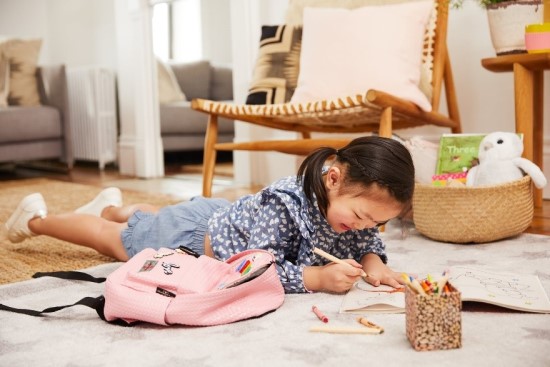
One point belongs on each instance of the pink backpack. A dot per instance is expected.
(168, 287)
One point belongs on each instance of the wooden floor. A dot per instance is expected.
(88, 173)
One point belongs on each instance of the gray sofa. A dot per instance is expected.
(39, 132)
(182, 128)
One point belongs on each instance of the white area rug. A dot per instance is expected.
(77, 337)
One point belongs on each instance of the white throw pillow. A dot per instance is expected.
(347, 52)
(169, 89)
(295, 10)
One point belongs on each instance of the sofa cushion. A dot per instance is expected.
(168, 87)
(31, 150)
(23, 58)
(20, 124)
(179, 118)
(194, 78)
(221, 84)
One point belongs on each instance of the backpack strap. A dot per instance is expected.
(96, 303)
(70, 275)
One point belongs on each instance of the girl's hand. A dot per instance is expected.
(336, 278)
(378, 273)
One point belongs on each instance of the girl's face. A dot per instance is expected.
(356, 210)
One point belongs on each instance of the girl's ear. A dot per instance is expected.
(333, 178)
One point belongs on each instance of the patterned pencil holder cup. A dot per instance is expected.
(433, 322)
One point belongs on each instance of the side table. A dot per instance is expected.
(529, 105)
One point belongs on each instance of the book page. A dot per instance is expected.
(366, 298)
(515, 291)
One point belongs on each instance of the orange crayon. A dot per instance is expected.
(426, 287)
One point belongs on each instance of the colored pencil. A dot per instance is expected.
(334, 259)
(344, 330)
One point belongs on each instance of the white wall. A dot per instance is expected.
(78, 40)
(74, 32)
(216, 31)
(34, 23)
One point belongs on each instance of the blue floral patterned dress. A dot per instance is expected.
(281, 220)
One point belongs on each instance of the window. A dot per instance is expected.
(177, 33)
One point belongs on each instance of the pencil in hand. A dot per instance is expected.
(334, 259)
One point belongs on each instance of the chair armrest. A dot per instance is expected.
(53, 88)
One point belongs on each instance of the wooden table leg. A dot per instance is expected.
(524, 91)
(538, 128)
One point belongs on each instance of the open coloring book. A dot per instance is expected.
(514, 291)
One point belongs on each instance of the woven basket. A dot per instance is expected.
(473, 214)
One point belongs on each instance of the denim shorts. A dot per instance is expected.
(185, 223)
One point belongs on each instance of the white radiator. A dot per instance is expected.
(93, 113)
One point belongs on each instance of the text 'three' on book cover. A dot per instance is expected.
(457, 152)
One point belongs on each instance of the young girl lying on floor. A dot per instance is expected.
(336, 207)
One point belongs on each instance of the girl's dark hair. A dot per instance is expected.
(367, 160)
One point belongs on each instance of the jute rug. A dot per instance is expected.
(20, 261)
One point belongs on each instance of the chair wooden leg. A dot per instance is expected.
(385, 129)
(450, 95)
(209, 159)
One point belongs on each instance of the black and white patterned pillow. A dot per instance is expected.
(276, 72)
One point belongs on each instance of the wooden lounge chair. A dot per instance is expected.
(373, 111)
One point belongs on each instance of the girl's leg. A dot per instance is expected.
(86, 230)
(108, 204)
(122, 214)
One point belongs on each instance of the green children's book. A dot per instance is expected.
(457, 152)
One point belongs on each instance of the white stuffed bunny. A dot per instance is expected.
(500, 161)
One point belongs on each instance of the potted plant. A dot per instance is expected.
(507, 21)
